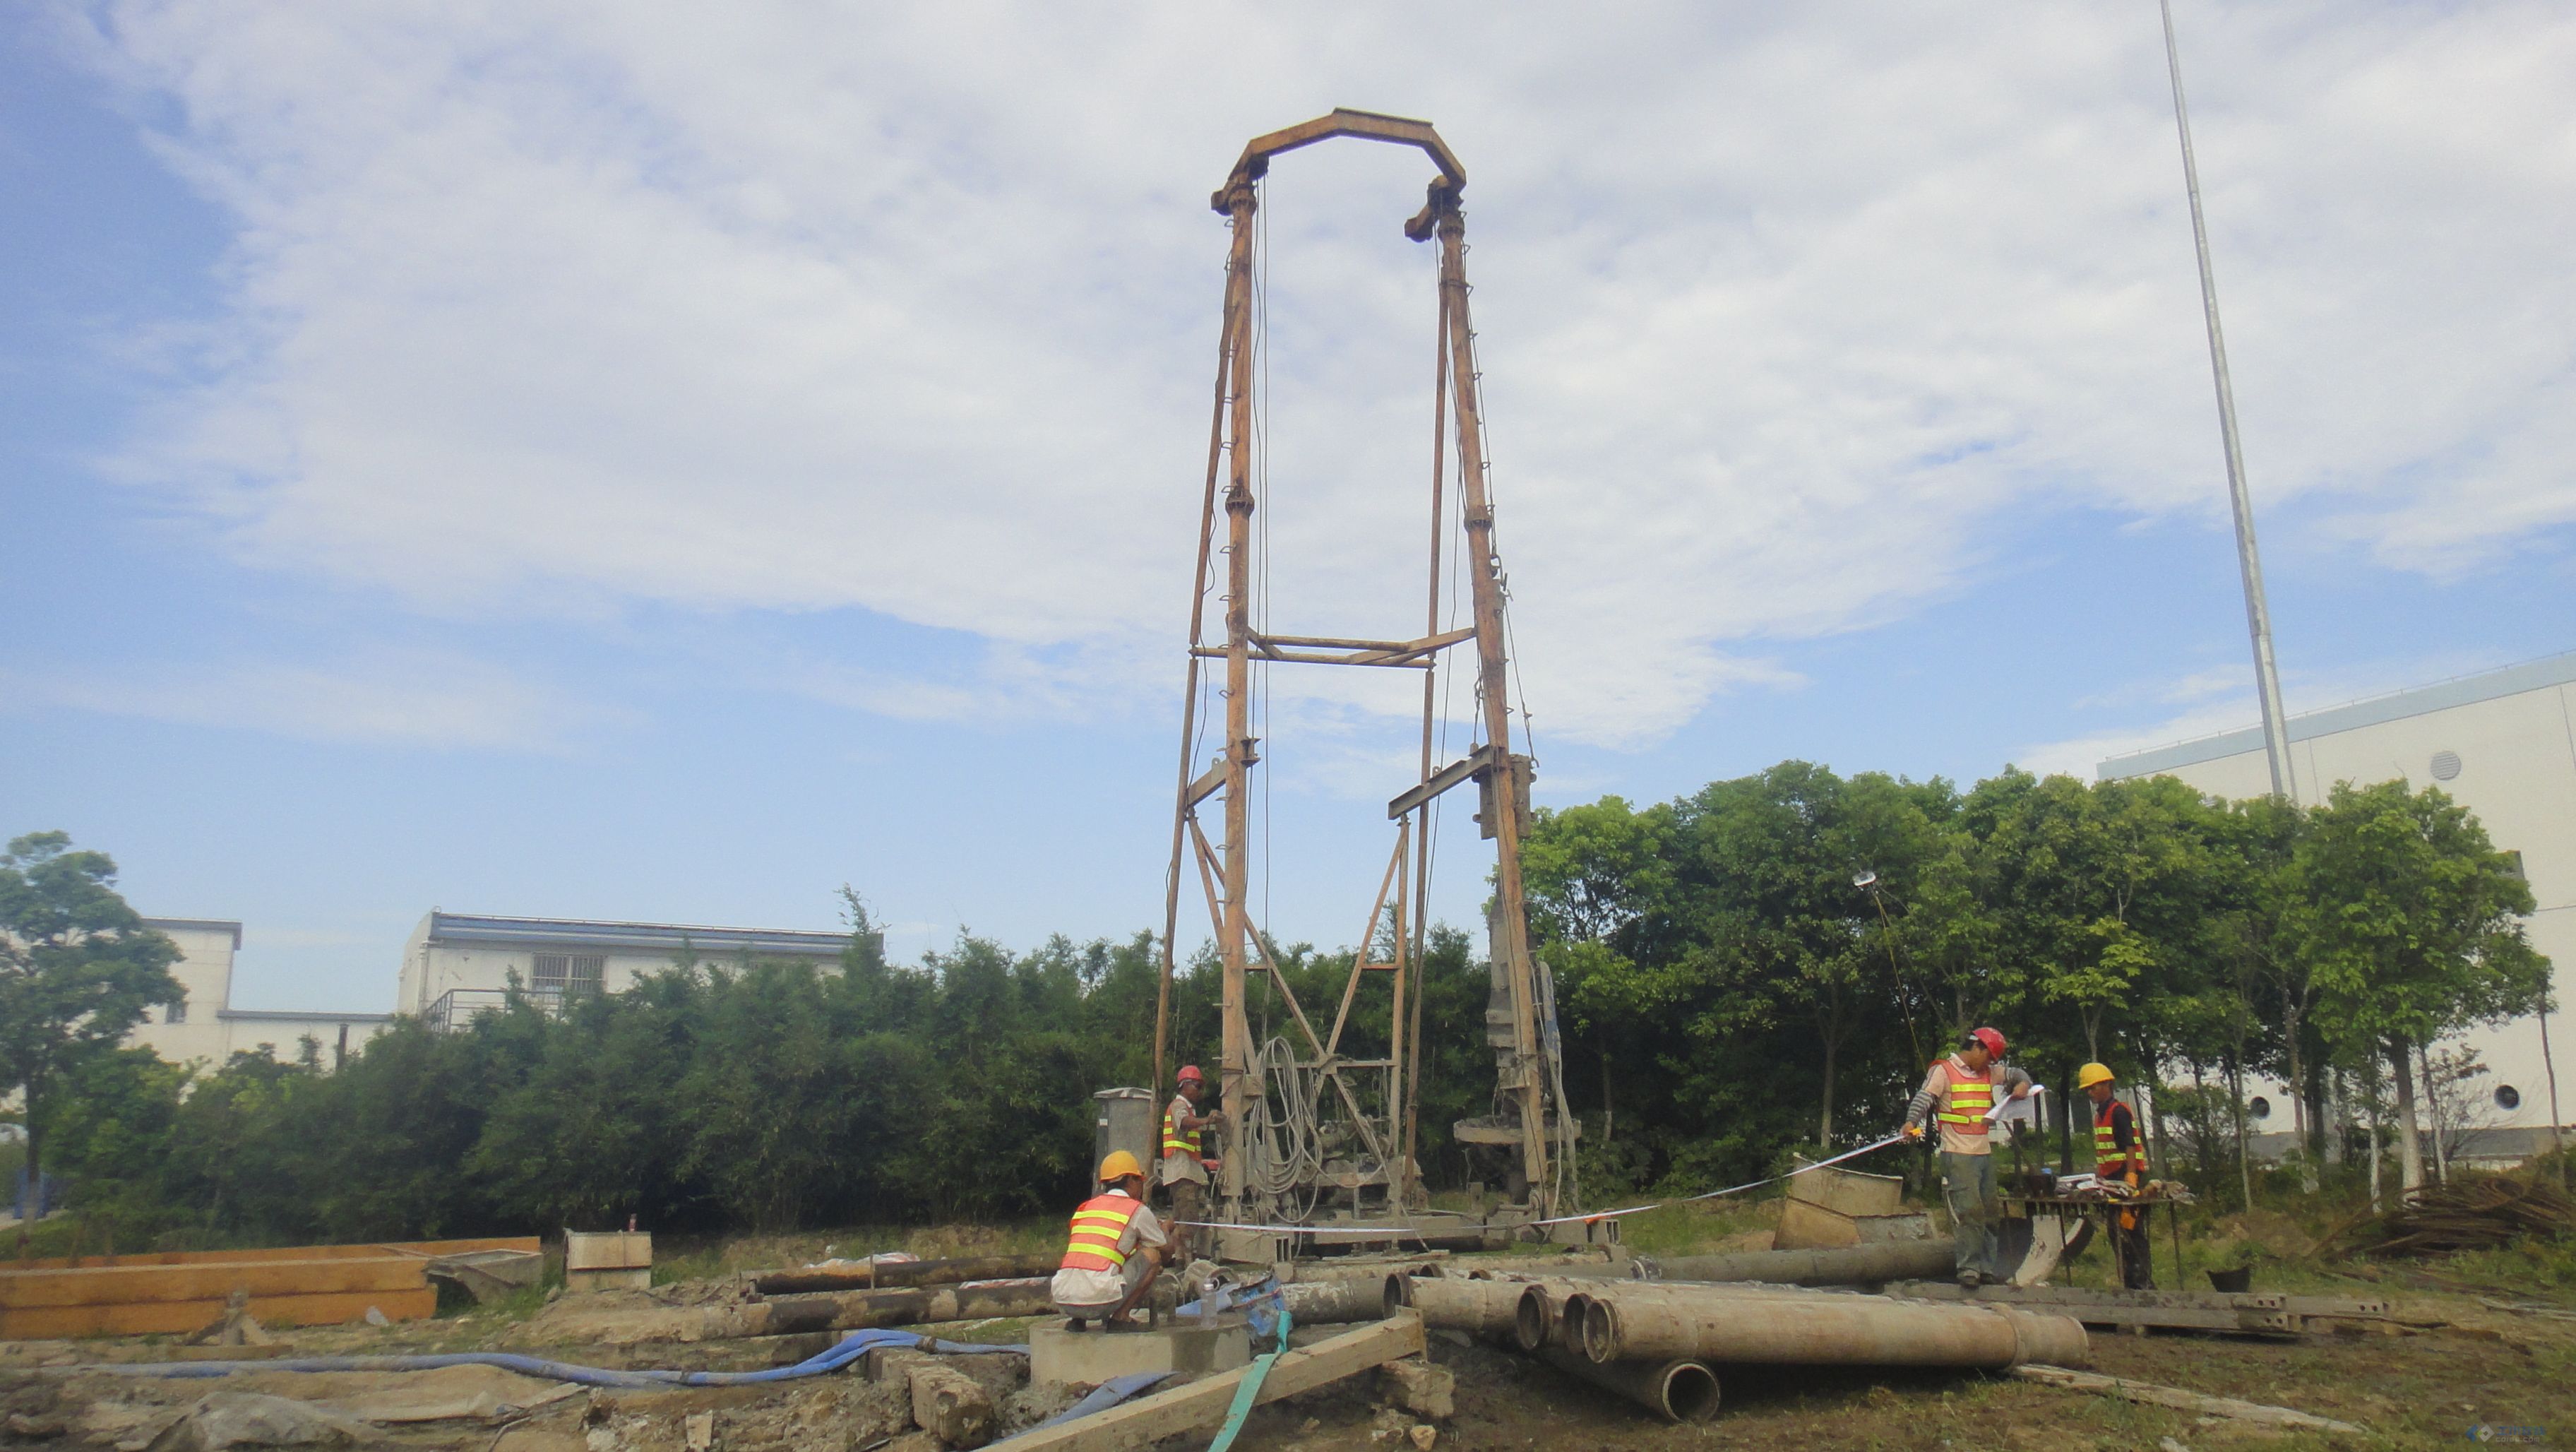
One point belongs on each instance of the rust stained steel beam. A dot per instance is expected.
(1455, 773)
(1209, 784)
(1343, 121)
(1307, 657)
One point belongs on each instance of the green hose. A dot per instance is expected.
(1250, 1391)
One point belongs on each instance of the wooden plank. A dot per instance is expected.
(1164, 1414)
(128, 1285)
(182, 1317)
(2189, 1401)
(528, 1243)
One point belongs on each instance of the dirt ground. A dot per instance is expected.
(2487, 1367)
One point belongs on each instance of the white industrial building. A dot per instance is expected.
(203, 1025)
(2503, 744)
(457, 965)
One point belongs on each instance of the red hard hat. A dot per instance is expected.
(1992, 1039)
(1191, 1071)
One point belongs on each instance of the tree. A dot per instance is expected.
(2410, 920)
(77, 970)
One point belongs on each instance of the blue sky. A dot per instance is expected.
(640, 463)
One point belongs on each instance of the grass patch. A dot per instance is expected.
(682, 1257)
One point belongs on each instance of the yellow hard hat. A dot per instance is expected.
(2092, 1074)
(1119, 1166)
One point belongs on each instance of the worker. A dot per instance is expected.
(1957, 1094)
(2119, 1157)
(1114, 1251)
(1185, 1161)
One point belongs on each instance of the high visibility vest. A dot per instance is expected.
(2107, 1157)
(1175, 1142)
(1963, 1108)
(1097, 1225)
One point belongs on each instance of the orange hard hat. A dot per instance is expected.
(1190, 1073)
(1992, 1039)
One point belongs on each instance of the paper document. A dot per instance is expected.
(2017, 1111)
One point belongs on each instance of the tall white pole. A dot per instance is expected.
(2258, 612)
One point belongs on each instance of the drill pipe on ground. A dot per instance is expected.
(1718, 1324)
(1349, 1298)
(1677, 1391)
(903, 1273)
(1479, 1308)
(1850, 1265)
(907, 1306)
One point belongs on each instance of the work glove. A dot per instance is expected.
(1913, 1131)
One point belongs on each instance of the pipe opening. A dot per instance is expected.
(1688, 1392)
(1399, 1294)
(1530, 1319)
(1597, 1334)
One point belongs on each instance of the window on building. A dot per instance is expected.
(2508, 1097)
(569, 972)
(2259, 1107)
(175, 1011)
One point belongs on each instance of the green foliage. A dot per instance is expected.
(1729, 993)
(1728, 997)
(77, 970)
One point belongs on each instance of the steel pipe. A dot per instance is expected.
(1349, 1298)
(1613, 1323)
(904, 1273)
(1480, 1308)
(1677, 1391)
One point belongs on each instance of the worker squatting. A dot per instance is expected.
(1116, 1247)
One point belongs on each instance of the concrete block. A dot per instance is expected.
(1427, 1391)
(1061, 1356)
(952, 1404)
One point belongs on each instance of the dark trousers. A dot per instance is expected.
(2129, 1245)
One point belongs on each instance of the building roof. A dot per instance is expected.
(2513, 680)
(447, 927)
(200, 925)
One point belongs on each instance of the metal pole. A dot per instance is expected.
(1233, 1078)
(1526, 1083)
(2258, 613)
(1238, 291)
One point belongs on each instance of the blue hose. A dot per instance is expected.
(1104, 1396)
(849, 1349)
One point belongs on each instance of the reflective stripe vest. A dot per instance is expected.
(1175, 1142)
(1963, 1108)
(1097, 1225)
(2107, 1156)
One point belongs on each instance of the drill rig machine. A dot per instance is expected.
(1320, 1150)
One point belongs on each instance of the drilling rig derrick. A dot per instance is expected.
(1319, 1138)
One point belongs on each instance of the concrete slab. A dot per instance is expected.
(1061, 1356)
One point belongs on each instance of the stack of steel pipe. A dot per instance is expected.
(1657, 1345)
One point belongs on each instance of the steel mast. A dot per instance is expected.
(2249, 560)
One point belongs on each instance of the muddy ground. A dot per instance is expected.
(2484, 1367)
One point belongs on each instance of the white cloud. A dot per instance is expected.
(426, 699)
(570, 306)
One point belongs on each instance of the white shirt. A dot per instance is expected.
(1074, 1286)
